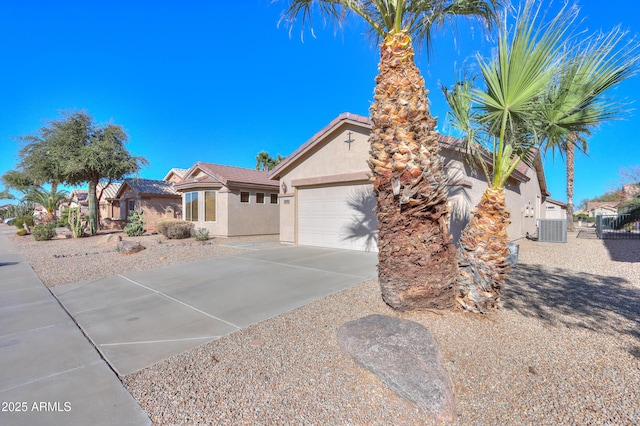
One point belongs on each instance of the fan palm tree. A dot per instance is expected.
(579, 104)
(416, 261)
(49, 200)
(537, 94)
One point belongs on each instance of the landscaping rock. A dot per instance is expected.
(129, 247)
(405, 356)
(110, 241)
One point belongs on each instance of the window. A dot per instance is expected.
(191, 206)
(260, 197)
(210, 206)
(132, 205)
(274, 198)
(244, 197)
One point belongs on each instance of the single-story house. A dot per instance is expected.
(78, 198)
(595, 208)
(158, 199)
(554, 209)
(109, 203)
(326, 198)
(230, 201)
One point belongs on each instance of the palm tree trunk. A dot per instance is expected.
(483, 252)
(417, 266)
(571, 158)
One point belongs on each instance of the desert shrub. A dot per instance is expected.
(178, 230)
(135, 227)
(202, 234)
(21, 232)
(20, 221)
(43, 232)
(162, 225)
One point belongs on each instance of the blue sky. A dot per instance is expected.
(219, 81)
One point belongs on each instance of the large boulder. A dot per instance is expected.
(129, 247)
(405, 356)
(109, 241)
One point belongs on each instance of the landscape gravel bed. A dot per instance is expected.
(64, 261)
(564, 349)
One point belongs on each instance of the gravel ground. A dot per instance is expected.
(64, 261)
(565, 349)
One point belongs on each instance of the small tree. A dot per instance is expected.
(74, 150)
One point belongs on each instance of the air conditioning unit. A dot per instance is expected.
(552, 231)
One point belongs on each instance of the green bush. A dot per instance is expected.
(135, 227)
(20, 221)
(162, 225)
(179, 230)
(21, 232)
(44, 232)
(202, 234)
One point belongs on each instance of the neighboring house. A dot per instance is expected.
(326, 198)
(109, 204)
(158, 199)
(230, 201)
(554, 209)
(595, 208)
(175, 175)
(78, 198)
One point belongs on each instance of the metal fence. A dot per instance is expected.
(618, 227)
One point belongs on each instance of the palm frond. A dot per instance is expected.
(418, 17)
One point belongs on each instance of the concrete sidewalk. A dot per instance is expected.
(139, 318)
(50, 374)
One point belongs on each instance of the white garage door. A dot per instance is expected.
(337, 216)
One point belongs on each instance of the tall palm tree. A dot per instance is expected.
(537, 93)
(569, 149)
(579, 102)
(262, 160)
(416, 261)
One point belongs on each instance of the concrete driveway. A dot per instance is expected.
(139, 318)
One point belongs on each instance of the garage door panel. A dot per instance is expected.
(337, 216)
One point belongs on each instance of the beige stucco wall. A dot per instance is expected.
(287, 218)
(127, 194)
(463, 198)
(156, 208)
(217, 228)
(252, 218)
(553, 211)
(234, 218)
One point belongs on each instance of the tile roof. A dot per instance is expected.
(611, 205)
(176, 171)
(150, 186)
(110, 192)
(228, 175)
(81, 195)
